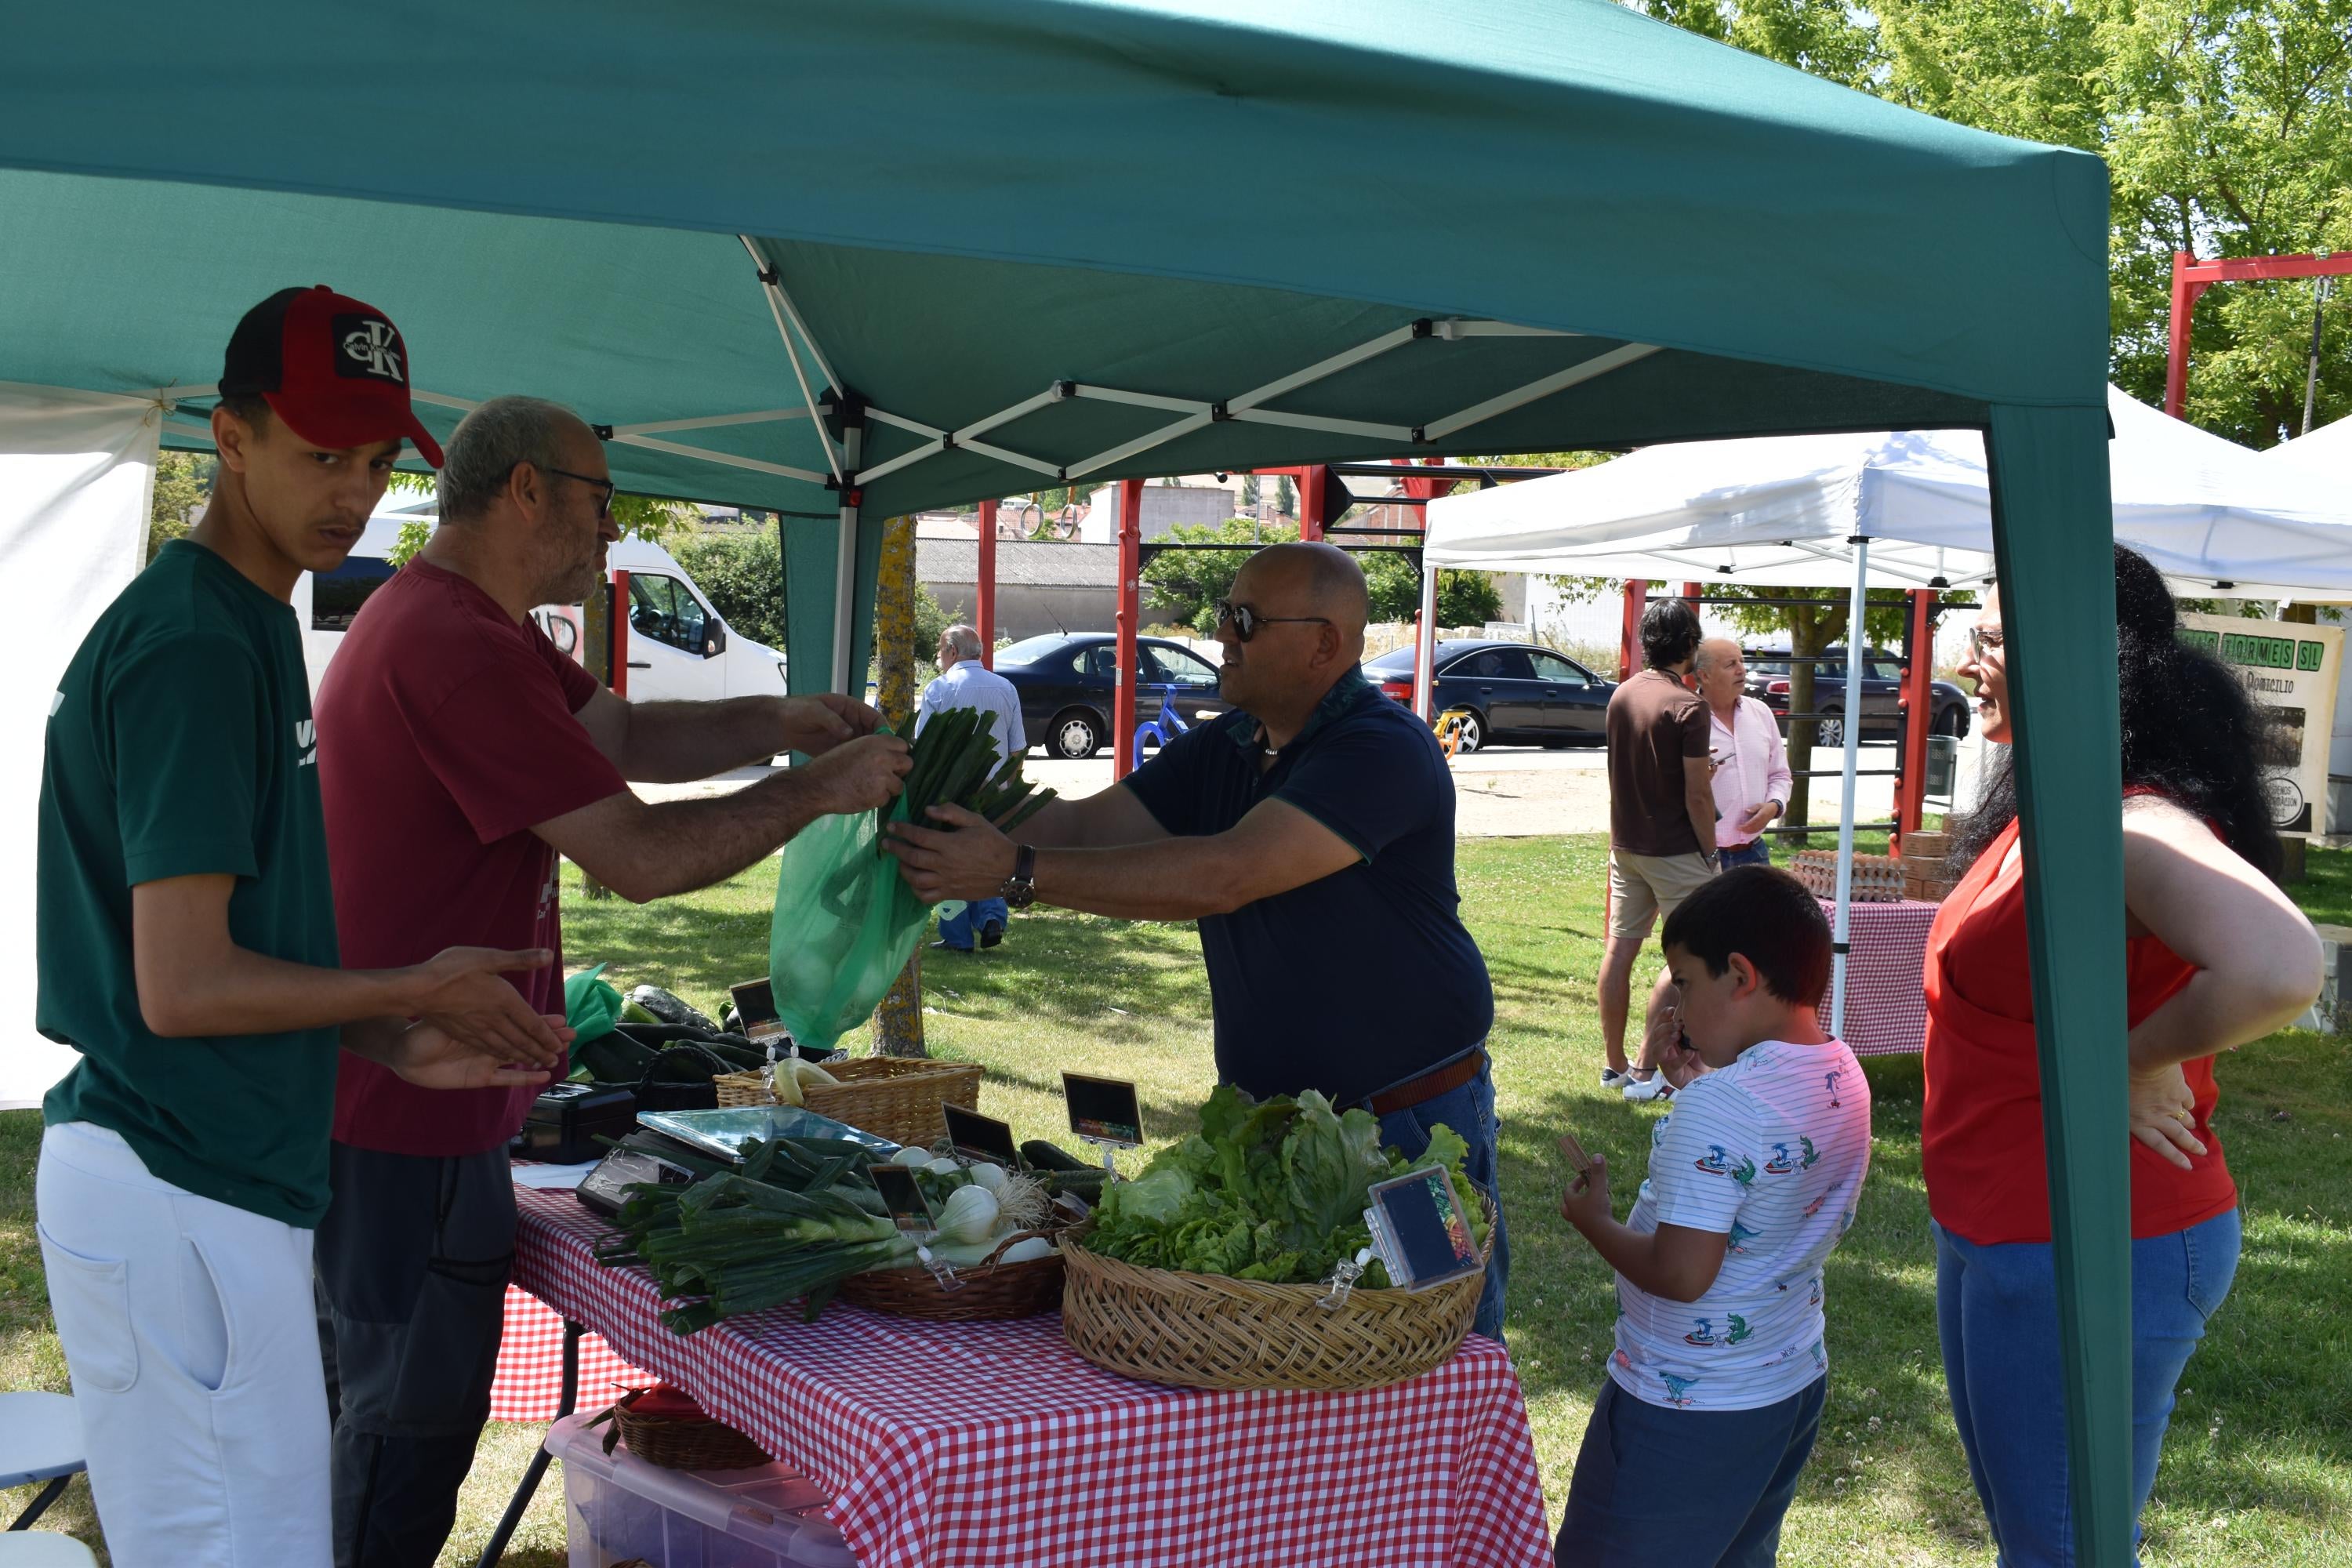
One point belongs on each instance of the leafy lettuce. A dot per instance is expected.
(1271, 1190)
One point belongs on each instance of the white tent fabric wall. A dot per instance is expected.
(76, 474)
(2327, 455)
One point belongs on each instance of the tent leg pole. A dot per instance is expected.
(845, 564)
(2053, 523)
(986, 591)
(1424, 647)
(1918, 688)
(1855, 631)
(1130, 594)
(1629, 640)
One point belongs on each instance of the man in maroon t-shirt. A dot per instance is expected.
(460, 755)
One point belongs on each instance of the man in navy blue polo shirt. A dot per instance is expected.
(1318, 814)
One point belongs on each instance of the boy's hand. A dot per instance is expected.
(1679, 1061)
(430, 1058)
(1586, 1202)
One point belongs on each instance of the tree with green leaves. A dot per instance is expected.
(2226, 129)
(182, 480)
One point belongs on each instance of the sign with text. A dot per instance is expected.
(2289, 671)
(1103, 1110)
(981, 1138)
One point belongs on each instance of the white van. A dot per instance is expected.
(678, 649)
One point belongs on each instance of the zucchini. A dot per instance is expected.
(669, 1009)
(1043, 1156)
(686, 1063)
(615, 1059)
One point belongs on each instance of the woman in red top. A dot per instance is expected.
(2215, 956)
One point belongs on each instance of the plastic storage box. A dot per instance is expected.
(618, 1508)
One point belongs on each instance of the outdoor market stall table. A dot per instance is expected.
(985, 1444)
(1886, 967)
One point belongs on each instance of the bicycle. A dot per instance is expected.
(1164, 727)
(1449, 730)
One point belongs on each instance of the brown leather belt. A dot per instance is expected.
(1429, 1085)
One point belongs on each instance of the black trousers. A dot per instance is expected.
(413, 1262)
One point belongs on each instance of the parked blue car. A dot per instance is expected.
(1513, 693)
(1067, 683)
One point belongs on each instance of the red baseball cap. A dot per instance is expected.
(335, 370)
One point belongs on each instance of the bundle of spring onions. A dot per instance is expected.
(801, 1215)
(954, 760)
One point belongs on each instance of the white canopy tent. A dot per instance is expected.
(2325, 455)
(1906, 509)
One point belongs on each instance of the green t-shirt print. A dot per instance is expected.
(180, 743)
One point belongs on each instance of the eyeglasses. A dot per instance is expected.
(1246, 621)
(604, 488)
(1980, 641)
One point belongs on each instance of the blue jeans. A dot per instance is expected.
(1470, 1111)
(1755, 852)
(1686, 1489)
(960, 929)
(1996, 1314)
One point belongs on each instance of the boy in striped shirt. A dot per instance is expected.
(1754, 1176)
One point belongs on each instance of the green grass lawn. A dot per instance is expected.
(2259, 1465)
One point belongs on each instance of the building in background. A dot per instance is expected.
(1040, 588)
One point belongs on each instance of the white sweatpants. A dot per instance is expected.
(192, 1335)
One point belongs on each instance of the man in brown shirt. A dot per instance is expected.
(1661, 828)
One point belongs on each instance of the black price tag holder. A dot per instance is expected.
(902, 1196)
(1421, 1231)
(755, 1013)
(1105, 1112)
(980, 1140)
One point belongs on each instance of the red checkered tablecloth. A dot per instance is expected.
(993, 1446)
(530, 1382)
(1885, 970)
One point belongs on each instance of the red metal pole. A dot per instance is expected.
(1918, 705)
(1629, 647)
(1131, 572)
(987, 593)
(619, 641)
(2176, 363)
(1690, 596)
(1311, 482)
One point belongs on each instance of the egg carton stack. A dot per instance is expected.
(1877, 878)
(1925, 879)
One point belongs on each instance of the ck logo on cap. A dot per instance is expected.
(368, 346)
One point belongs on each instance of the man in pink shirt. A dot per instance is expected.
(1751, 766)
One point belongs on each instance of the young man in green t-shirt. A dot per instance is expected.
(187, 949)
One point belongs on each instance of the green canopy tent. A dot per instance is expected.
(848, 261)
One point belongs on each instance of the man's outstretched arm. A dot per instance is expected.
(1272, 849)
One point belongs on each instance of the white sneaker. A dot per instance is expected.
(1642, 1091)
(1611, 1079)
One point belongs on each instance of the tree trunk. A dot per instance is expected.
(1811, 629)
(898, 1022)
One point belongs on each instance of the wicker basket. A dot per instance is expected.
(682, 1442)
(991, 1292)
(1203, 1331)
(890, 1097)
(1877, 878)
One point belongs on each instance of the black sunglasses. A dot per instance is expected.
(604, 488)
(1246, 621)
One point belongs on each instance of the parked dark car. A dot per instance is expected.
(1882, 689)
(1513, 692)
(1068, 681)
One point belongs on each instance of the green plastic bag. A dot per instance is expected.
(590, 1007)
(845, 923)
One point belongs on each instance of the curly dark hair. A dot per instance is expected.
(2190, 732)
(1670, 633)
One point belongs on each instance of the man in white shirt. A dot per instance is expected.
(1751, 775)
(965, 682)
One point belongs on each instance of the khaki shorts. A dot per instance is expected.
(1644, 887)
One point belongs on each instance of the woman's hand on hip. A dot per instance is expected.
(2164, 1113)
